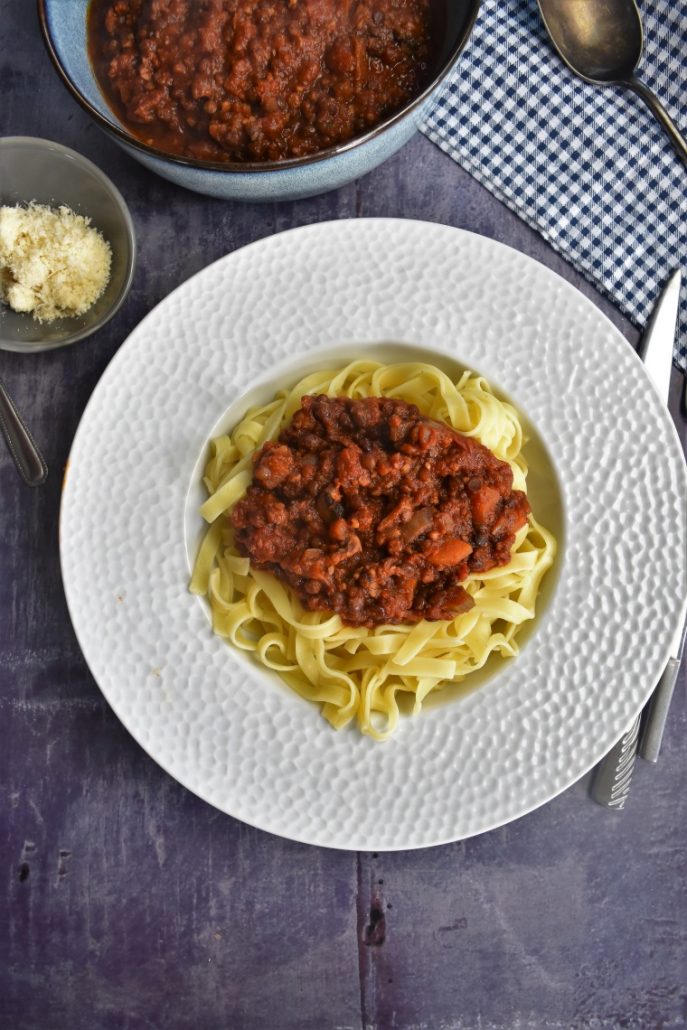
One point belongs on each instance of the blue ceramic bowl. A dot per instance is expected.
(64, 31)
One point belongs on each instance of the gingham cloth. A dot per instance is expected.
(588, 167)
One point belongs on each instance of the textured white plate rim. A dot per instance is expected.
(391, 228)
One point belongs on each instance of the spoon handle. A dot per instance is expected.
(657, 108)
(27, 457)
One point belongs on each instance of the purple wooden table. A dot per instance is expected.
(129, 903)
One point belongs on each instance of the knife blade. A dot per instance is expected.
(611, 782)
(656, 348)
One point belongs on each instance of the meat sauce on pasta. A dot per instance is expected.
(368, 509)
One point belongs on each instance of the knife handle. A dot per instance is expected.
(611, 784)
(657, 711)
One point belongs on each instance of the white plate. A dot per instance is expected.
(239, 738)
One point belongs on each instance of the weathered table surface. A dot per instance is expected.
(128, 903)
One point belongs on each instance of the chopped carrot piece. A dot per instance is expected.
(453, 552)
(484, 503)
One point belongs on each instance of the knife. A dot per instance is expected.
(611, 783)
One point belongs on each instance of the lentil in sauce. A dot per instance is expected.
(257, 80)
(369, 509)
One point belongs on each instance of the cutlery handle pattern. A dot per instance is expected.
(611, 784)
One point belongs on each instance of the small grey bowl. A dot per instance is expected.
(48, 173)
(64, 26)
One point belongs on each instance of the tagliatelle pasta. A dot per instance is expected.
(354, 672)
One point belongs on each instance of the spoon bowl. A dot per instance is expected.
(601, 41)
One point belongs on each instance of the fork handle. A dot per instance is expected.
(611, 784)
(27, 457)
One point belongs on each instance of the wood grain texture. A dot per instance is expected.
(128, 903)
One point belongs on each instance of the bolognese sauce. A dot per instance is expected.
(257, 80)
(369, 509)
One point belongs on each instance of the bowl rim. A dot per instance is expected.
(253, 166)
(40, 143)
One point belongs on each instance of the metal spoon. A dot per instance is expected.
(27, 457)
(601, 41)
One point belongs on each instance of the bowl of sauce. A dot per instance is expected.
(261, 100)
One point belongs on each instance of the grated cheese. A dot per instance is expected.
(53, 263)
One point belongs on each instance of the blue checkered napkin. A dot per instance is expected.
(588, 167)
